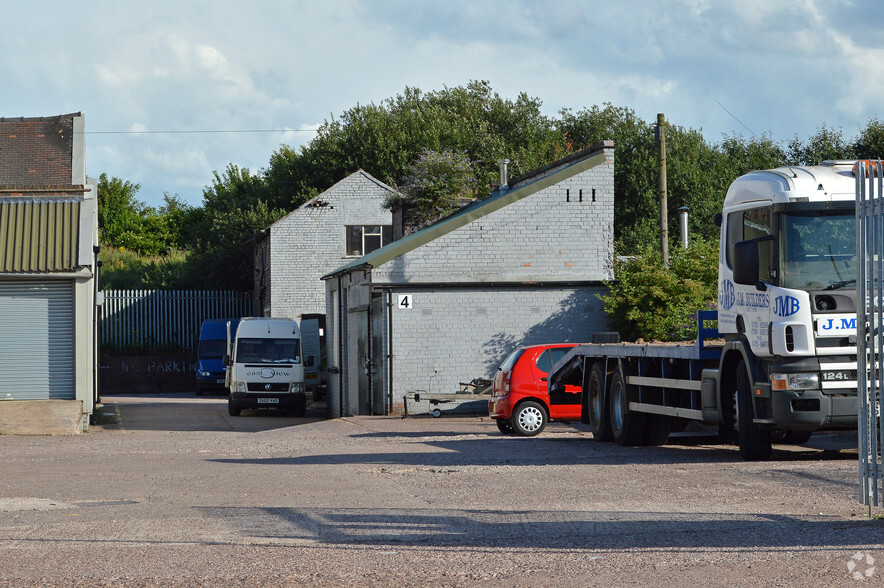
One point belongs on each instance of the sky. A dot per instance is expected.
(173, 91)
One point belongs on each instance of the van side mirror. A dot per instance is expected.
(227, 360)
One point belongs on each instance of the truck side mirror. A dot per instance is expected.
(745, 260)
(227, 360)
(309, 361)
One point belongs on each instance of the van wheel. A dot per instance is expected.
(627, 427)
(755, 444)
(597, 405)
(300, 406)
(505, 427)
(232, 409)
(529, 419)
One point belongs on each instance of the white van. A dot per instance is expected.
(264, 366)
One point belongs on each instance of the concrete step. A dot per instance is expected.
(42, 417)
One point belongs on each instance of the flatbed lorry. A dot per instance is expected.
(782, 363)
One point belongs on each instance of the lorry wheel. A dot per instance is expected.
(232, 409)
(797, 437)
(597, 405)
(505, 427)
(529, 419)
(627, 427)
(755, 444)
(657, 429)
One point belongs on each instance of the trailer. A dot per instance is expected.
(785, 360)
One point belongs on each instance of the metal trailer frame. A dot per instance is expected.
(869, 323)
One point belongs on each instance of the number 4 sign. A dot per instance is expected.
(405, 301)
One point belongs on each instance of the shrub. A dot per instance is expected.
(648, 301)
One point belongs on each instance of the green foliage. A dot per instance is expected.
(435, 184)
(389, 139)
(869, 144)
(123, 269)
(384, 139)
(234, 210)
(825, 144)
(648, 301)
(126, 222)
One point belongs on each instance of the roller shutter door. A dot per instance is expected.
(36, 340)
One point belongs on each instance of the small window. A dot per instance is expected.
(544, 363)
(363, 239)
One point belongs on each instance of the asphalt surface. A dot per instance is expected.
(171, 491)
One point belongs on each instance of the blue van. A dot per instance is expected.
(210, 370)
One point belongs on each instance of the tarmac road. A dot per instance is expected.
(174, 492)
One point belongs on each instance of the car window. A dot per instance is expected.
(510, 361)
(556, 354)
(543, 362)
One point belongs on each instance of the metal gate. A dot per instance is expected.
(870, 321)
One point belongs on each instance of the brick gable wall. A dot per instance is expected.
(36, 152)
(310, 242)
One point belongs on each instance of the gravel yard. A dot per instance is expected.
(174, 492)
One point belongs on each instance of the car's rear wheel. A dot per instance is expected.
(529, 419)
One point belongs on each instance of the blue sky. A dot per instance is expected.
(780, 68)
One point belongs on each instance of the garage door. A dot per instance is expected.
(36, 340)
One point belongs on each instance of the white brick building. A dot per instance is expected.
(446, 305)
(343, 223)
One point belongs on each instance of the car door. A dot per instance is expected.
(562, 404)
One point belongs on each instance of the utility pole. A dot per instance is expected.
(661, 188)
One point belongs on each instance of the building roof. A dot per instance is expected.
(39, 234)
(516, 189)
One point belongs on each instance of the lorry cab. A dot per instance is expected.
(787, 292)
(265, 367)
(212, 346)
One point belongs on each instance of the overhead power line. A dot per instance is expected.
(198, 131)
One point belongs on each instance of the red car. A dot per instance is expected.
(520, 402)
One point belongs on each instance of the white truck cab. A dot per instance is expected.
(265, 367)
(787, 291)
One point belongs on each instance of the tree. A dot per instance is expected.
(384, 139)
(124, 221)
(234, 210)
(825, 144)
(435, 185)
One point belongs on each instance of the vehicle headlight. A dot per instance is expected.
(204, 374)
(239, 386)
(797, 381)
(297, 387)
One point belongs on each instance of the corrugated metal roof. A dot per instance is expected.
(37, 235)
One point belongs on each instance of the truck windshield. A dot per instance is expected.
(818, 250)
(267, 351)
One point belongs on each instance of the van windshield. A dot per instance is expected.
(267, 351)
(212, 349)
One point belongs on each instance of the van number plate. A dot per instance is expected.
(268, 401)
